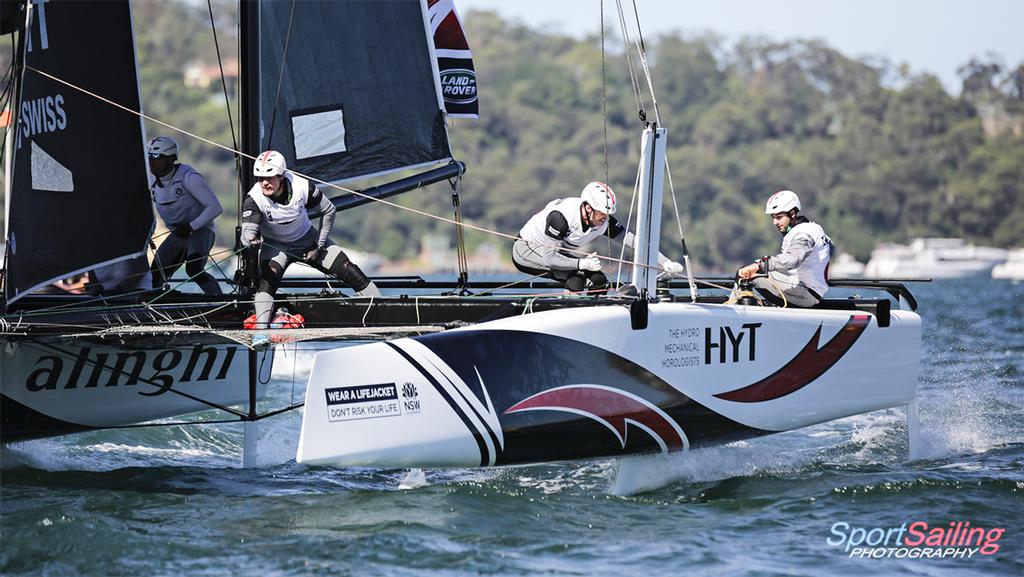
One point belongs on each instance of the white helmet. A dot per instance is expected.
(269, 163)
(162, 146)
(782, 201)
(600, 197)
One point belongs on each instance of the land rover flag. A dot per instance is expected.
(454, 60)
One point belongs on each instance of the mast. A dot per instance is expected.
(249, 87)
(14, 116)
(648, 227)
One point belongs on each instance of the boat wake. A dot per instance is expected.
(965, 424)
(951, 427)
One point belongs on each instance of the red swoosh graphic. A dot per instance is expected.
(609, 407)
(809, 364)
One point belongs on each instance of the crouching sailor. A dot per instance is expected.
(549, 242)
(274, 217)
(800, 272)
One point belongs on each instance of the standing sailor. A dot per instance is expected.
(188, 208)
(549, 242)
(274, 216)
(799, 273)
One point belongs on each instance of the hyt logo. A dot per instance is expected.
(411, 401)
(730, 343)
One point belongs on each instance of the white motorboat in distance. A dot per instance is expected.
(1012, 269)
(845, 266)
(933, 258)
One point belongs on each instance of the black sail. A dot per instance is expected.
(79, 194)
(348, 89)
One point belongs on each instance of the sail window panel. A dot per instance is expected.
(48, 174)
(318, 133)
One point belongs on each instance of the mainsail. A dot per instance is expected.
(339, 107)
(79, 197)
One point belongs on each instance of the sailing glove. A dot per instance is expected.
(591, 263)
(182, 230)
(313, 254)
(672, 267)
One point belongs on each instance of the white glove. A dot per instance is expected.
(591, 263)
(672, 267)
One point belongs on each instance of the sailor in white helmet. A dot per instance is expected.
(800, 270)
(188, 207)
(274, 216)
(549, 243)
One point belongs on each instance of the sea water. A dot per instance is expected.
(818, 501)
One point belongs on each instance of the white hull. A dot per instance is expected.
(578, 383)
(66, 387)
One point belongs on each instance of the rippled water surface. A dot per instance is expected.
(174, 501)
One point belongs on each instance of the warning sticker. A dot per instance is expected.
(362, 402)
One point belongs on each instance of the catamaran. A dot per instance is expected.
(471, 376)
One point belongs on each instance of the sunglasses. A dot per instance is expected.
(154, 155)
(262, 178)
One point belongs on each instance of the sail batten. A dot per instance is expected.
(341, 108)
(79, 194)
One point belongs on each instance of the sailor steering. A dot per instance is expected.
(798, 275)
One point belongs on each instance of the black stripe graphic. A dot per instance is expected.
(494, 437)
(484, 454)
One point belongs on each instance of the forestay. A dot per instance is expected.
(76, 202)
(349, 89)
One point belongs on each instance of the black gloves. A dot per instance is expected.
(313, 253)
(182, 230)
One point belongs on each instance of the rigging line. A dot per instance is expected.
(78, 306)
(280, 78)
(216, 261)
(158, 314)
(227, 104)
(6, 97)
(637, 93)
(204, 314)
(367, 313)
(642, 52)
(629, 219)
(650, 83)
(490, 292)
(214, 264)
(682, 239)
(639, 29)
(307, 177)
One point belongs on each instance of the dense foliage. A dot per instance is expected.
(875, 152)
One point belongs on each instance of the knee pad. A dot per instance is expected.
(576, 282)
(349, 273)
(597, 279)
(270, 277)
